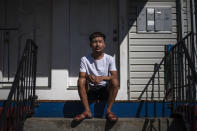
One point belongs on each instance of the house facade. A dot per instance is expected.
(138, 33)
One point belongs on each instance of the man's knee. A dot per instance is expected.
(114, 83)
(83, 84)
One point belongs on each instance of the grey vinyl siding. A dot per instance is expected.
(146, 49)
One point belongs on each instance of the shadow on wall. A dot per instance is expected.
(153, 109)
(43, 26)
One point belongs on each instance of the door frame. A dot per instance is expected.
(117, 54)
(123, 47)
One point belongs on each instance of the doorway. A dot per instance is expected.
(85, 17)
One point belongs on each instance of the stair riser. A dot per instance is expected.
(121, 109)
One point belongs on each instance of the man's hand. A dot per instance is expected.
(91, 78)
(94, 79)
(98, 79)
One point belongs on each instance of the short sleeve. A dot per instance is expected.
(82, 65)
(112, 64)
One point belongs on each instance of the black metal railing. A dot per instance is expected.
(182, 78)
(174, 81)
(21, 99)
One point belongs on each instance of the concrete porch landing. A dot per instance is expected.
(95, 124)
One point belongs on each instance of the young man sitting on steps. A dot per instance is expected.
(97, 78)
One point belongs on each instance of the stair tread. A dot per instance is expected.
(95, 124)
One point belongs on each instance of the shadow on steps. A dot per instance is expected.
(123, 124)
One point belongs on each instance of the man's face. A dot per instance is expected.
(97, 44)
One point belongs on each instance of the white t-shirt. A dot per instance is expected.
(99, 67)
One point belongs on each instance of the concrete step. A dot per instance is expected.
(96, 124)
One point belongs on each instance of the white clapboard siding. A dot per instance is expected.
(144, 81)
(153, 36)
(151, 42)
(135, 95)
(144, 68)
(144, 74)
(140, 88)
(144, 61)
(133, 18)
(133, 29)
(133, 21)
(146, 49)
(146, 54)
(134, 11)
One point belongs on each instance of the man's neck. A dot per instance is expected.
(97, 56)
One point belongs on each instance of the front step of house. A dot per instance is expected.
(133, 116)
(96, 124)
(58, 116)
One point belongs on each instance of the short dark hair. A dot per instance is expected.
(96, 34)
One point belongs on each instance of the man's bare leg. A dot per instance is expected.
(113, 90)
(84, 100)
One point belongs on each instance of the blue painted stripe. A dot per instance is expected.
(121, 109)
(1, 103)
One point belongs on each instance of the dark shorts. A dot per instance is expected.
(100, 94)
